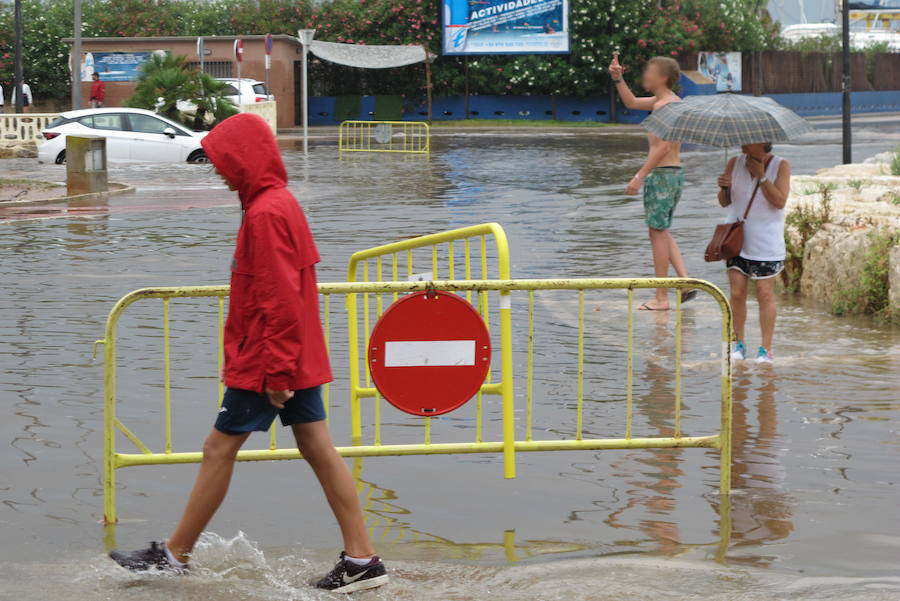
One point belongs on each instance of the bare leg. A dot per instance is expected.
(661, 243)
(675, 257)
(210, 487)
(765, 294)
(739, 283)
(314, 441)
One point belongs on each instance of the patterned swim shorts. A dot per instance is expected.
(756, 270)
(662, 191)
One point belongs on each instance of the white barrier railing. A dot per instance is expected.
(23, 127)
(267, 110)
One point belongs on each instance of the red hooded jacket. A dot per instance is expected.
(273, 335)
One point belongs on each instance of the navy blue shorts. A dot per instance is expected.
(248, 411)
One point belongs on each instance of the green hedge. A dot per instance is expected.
(638, 28)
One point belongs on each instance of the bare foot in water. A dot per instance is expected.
(654, 305)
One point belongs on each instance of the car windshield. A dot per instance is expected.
(57, 122)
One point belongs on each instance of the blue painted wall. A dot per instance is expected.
(321, 108)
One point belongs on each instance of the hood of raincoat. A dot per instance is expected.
(243, 149)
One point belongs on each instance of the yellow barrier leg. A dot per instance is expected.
(109, 428)
(725, 434)
(506, 371)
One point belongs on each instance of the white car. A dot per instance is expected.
(251, 91)
(247, 92)
(131, 135)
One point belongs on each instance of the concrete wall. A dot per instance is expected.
(281, 79)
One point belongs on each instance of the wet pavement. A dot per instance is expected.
(814, 513)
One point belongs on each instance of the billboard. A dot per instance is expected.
(724, 68)
(505, 26)
(113, 66)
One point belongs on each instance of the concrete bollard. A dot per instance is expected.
(85, 164)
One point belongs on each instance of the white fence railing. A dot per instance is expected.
(23, 127)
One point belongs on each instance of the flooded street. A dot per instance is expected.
(814, 513)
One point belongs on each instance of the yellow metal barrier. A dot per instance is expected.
(508, 446)
(411, 137)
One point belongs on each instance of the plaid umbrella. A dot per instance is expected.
(725, 120)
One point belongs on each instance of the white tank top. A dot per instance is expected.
(764, 227)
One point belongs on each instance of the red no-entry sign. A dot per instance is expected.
(429, 353)
(239, 50)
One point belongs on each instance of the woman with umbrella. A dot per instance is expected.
(754, 188)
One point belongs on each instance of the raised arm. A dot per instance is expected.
(628, 98)
(724, 182)
(777, 192)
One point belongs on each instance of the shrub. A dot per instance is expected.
(895, 162)
(870, 295)
(166, 79)
(804, 222)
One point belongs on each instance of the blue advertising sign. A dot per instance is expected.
(505, 26)
(113, 66)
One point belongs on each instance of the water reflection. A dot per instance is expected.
(656, 472)
(761, 510)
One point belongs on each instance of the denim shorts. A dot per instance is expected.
(245, 411)
(756, 270)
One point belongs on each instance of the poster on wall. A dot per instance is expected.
(113, 66)
(724, 68)
(505, 26)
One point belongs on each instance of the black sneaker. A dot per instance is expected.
(347, 577)
(153, 557)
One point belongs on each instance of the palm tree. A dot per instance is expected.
(166, 80)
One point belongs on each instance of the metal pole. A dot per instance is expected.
(466, 63)
(305, 102)
(428, 84)
(76, 58)
(846, 82)
(17, 75)
(306, 38)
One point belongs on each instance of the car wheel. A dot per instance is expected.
(198, 157)
(61, 158)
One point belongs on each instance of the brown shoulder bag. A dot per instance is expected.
(728, 238)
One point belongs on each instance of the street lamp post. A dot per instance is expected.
(846, 82)
(306, 38)
(76, 58)
(17, 68)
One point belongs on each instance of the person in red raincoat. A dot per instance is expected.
(275, 358)
(98, 92)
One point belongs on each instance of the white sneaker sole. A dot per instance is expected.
(361, 585)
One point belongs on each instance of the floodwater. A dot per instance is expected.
(814, 513)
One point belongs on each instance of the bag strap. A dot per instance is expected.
(756, 189)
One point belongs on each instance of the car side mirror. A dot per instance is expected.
(169, 132)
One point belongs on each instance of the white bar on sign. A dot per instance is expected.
(422, 353)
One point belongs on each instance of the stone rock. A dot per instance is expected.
(894, 294)
(832, 261)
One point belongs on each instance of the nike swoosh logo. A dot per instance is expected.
(223, 409)
(353, 579)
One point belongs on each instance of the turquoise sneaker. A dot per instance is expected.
(738, 351)
(764, 356)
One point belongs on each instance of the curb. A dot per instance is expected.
(115, 189)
